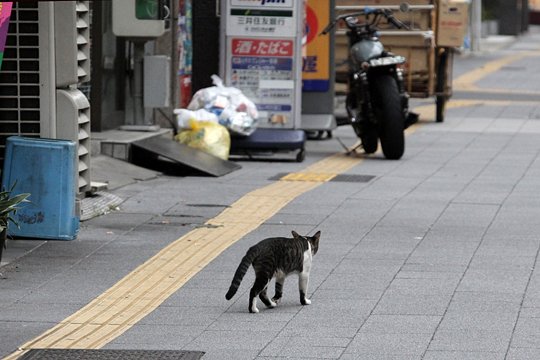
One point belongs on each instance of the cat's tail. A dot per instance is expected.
(240, 272)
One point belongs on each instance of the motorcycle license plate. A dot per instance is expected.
(388, 60)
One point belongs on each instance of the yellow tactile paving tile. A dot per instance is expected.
(304, 176)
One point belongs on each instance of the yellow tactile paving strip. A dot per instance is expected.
(468, 80)
(324, 170)
(144, 289)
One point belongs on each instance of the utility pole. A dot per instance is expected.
(476, 25)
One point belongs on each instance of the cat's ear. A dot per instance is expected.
(315, 242)
(295, 234)
(315, 238)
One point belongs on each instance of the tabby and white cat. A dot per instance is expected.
(277, 257)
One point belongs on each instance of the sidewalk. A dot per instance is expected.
(430, 257)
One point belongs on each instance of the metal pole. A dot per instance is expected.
(476, 25)
(138, 73)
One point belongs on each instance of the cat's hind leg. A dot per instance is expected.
(260, 284)
(264, 298)
(280, 280)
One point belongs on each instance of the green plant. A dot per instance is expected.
(8, 208)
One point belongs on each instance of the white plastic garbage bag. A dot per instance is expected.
(184, 116)
(232, 108)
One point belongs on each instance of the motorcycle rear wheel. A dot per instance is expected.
(387, 108)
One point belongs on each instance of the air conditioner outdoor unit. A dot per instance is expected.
(72, 67)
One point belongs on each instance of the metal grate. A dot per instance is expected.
(100, 354)
(353, 178)
(322, 177)
(19, 76)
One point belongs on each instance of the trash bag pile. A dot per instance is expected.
(227, 106)
(214, 114)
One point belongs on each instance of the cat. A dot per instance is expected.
(279, 257)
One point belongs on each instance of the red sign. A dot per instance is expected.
(262, 47)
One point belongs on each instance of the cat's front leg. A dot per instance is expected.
(303, 280)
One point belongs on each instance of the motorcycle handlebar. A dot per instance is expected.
(396, 22)
(367, 11)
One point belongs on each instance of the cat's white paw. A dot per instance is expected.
(307, 301)
(254, 309)
(272, 304)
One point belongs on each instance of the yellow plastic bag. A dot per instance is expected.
(209, 137)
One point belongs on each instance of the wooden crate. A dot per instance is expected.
(420, 17)
(419, 50)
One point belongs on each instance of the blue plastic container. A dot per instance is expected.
(47, 169)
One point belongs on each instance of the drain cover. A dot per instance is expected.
(353, 178)
(322, 177)
(101, 354)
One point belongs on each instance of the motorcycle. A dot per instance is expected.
(377, 104)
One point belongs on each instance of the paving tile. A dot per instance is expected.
(331, 319)
(503, 281)
(485, 301)
(530, 312)
(308, 347)
(363, 293)
(353, 265)
(463, 355)
(518, 353)
(409, 303)
(19, 333)
(465, 321)
(471, 340)
(232, 340)
(315, 332)
(352, 281)
(183, 315)
(376, 356)
(221, 354)
(425, 286)
(527, 333)
(51, 312)
(395, 343)
(156, 337)
(401, 324)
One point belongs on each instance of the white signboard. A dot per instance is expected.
(264, 70)
(262, 57)
(261, 18)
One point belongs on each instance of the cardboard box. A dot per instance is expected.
(452, 22)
